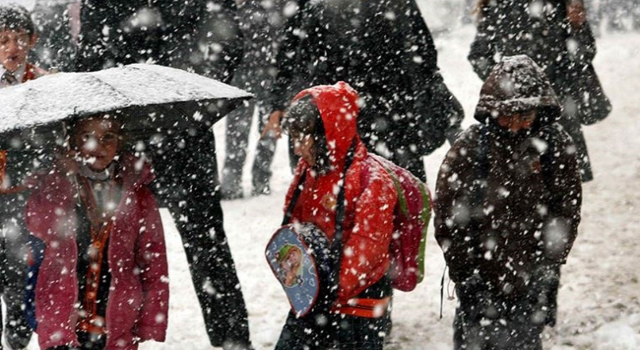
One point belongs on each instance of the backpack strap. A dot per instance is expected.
(294, 199)
(481, 170)
(337, 244)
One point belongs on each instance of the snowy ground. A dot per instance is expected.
(599, 306)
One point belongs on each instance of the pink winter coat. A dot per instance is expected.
(138, 303)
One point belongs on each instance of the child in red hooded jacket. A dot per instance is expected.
(322, 123)
(102, 282)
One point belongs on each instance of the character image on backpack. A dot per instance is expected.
(290, 259)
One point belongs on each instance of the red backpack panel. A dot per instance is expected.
(413, 212)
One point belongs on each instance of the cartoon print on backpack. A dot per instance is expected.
(299, 258)
(290, 260)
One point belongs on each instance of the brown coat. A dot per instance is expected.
(507, 204)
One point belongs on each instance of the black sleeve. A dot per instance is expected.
(437, 109)
(583, 47)
(562, 178)
(457, 191)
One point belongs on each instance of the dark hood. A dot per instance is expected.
(517, 84)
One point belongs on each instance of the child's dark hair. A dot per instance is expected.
(304, 118)
(16, 17)
(70, 127)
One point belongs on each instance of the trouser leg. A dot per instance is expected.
(361, 333)
(187, 184)
(199, 221)
(3, 282)
(293, 158)
(293, 335)
(236, 143)
(485, 321)
(14, 266)
(265, 151)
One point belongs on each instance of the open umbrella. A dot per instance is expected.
(147, 98)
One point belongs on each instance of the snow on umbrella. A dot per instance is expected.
(147, 97)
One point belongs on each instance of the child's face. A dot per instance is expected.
(14, 47)
(304, 147)
(517, 122)
(97, 141)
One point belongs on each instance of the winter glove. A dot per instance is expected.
(547, 283)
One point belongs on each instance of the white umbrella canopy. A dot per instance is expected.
(147, 98)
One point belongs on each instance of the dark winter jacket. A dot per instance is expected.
(138, 303)
(507, 204)
(540, 30)
(193, 34)
(261, 24)
(385, 50)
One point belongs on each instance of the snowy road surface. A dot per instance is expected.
(598, 302)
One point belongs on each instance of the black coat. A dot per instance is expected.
(192, 35)
(200, 35)
(515, 27)
(385, 51)
(262, 26)
(55, 47)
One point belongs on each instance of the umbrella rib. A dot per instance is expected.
(166, 77)
(102, 82)
(23, 103)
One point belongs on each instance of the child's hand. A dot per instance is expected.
(576, 14)
(68, 162)
(273, 128)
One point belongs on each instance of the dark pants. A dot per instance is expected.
(237, 142)
(87, 342)
(485, 319)
(322, 330)
(256, 79)
(187, 184)
(333, 331)
(13, 270)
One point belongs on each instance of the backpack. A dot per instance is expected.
(410, 224)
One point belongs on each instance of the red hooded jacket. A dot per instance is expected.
(369, 193)
(139, 296)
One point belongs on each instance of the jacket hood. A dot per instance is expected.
(517, 84)
(338, 107)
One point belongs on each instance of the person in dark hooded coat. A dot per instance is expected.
(556, 35)
(201, 36)
(385, 50)
(507, 210)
